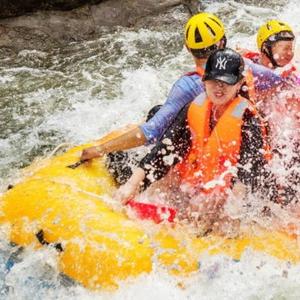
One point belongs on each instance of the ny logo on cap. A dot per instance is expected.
(221, 63)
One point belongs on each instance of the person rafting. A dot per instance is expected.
(204, 33)
(216, 143)
(275, 42)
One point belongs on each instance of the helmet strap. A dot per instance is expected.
(267, 50)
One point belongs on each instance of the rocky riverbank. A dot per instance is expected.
(33, 24)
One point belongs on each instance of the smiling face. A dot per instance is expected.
(283, 52)
(220, 92)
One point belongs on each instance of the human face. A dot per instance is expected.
(283, 52)
(219, 92)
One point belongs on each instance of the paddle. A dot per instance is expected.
(154, 212)
(77, 164)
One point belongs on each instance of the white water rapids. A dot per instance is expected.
(82, 91)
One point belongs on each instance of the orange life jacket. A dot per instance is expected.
(213, 153)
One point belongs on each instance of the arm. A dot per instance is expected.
(252, 170)
(131, 187)
(266, 80)
(183, 92)
(130, 139)
(156, 164)
(251, 160)
(168, 151)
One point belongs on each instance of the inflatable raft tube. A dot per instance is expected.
(98, 245)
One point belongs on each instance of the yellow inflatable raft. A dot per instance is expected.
(100, 246)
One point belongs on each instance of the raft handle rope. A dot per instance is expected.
(40, 237)
(65, 145)
(62, 145)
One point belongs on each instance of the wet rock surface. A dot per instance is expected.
(13, 8)
(44, 24)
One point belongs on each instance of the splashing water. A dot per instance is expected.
(103, 85)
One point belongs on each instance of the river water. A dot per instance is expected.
(78, 93)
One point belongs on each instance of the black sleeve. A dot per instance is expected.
(173, 146)
(252, 169)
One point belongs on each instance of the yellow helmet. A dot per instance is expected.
(274, 29)
(203, 30)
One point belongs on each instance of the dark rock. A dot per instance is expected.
(127, 13)
(51, 28)
(13, 8)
